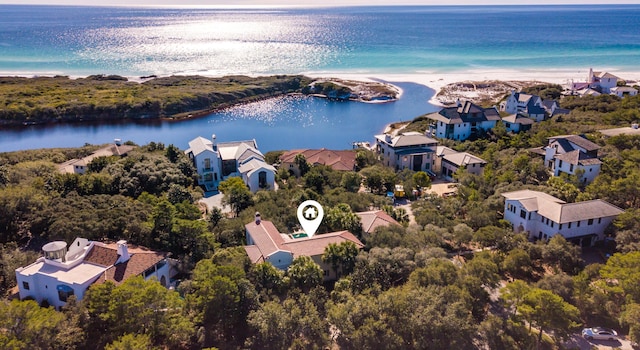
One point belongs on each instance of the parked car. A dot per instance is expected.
(599, 333)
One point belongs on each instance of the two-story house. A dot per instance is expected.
(65, 271)
(602, 81)
(517, 122)
(542, 216)
(461, 121)
(573, 155)
(519, 102)
(266, 244)
(449, 161)
(216, 162)
(409, 150)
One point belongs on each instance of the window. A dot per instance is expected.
(262, 179)
(599, 220)
(577, 223)
(523, 214)
(25, 285)
(64, 292)
(571, 167)
(569, 225)
(559, 164)
(590, 222)
(551, 224)
(560, 227)
(207, 163)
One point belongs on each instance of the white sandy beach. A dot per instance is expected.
(437, 80)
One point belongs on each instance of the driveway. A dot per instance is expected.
(215, 200)
(578, 342)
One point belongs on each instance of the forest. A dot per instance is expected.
(458, 277)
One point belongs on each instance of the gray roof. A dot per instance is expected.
(464, 113)
(463, 158)
(577, 140)
(199, 145)
(561, 212)
(408, 139)
(254, 165)
(578, 158)
(518, 119)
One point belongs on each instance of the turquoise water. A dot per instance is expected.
(79, 41)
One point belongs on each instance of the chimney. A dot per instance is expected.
(258, 218)
(123, 252)
(213, 142)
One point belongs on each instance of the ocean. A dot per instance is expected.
(135, 42)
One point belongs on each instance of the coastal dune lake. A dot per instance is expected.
(288, 122)
(369, 41)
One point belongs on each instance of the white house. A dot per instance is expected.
(80, 166)
(622, 91)
(448, 162)
(266, 244)
(63, 272)
(542, 216)
(461, 121)
(517, 122)
(603, 81)
(409, 150)
(528, 104)
(574, 155)
(216, 162)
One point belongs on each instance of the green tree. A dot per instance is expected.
(341, 257)
(131, 342)
(340, 218)
(173, 153)
(549, 312)
(266, 278)
(421, 179)
(138, 307)
(295, 323)
(301, 163)
(351, 181)
(27, 325)
(236, 194)
(304, 273)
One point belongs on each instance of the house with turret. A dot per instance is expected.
(64, 270)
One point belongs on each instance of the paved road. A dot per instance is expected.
(578, 342)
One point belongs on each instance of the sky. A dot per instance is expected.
(242, 3)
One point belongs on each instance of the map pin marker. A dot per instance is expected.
(310, 214)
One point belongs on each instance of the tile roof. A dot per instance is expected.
(375, 218)
(267, 240)
(101, 255)
(337, 160)
(136, 265)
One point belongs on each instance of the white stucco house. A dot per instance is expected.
(266, 244)
(65, 271)
(461, 121)
(217, 161)
(542, 216)
(409, 150)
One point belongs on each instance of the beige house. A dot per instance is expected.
(337, 160)
(375, 218)
(79, 166)
(266, 244)
(448, 161)
(409, 150)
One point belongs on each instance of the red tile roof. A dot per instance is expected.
(337, 160)
(374, 219)
(102, 255)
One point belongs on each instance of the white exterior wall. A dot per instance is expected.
(253, 179)
(510, 105)
(590, 171)
(607, 83)
(536, 224)
(43, 287)
(280, 259)
(461, 131)
(513, 127)
(200, 161)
